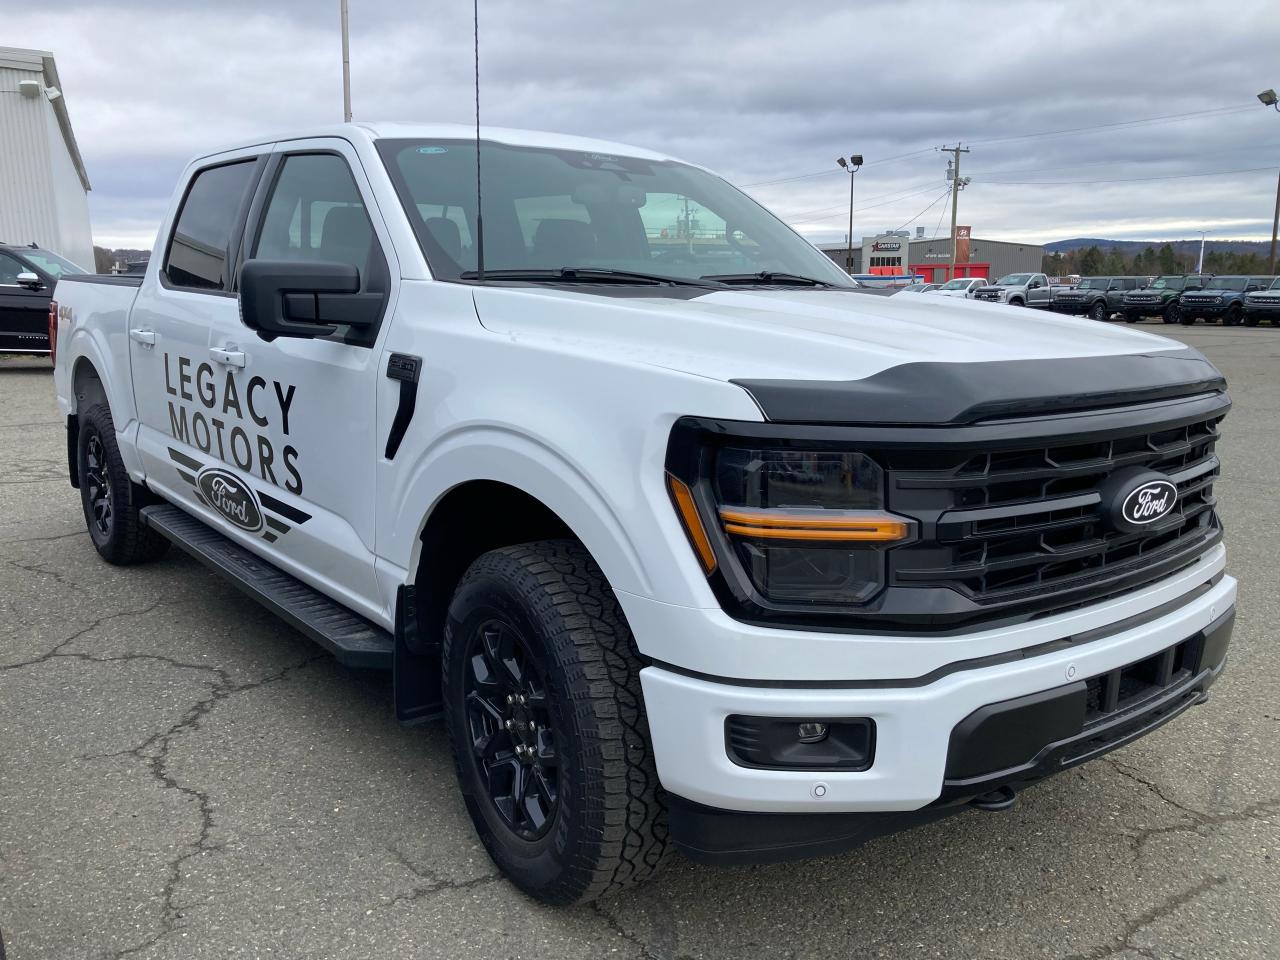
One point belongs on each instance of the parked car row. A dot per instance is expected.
(1182, 299)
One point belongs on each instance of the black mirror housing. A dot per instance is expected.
(287, 298)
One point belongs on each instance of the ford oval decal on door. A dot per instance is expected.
(230, 497)
(1150, 502)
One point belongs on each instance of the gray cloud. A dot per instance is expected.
(755, 90)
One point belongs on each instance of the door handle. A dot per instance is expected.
(228, 357)
(145, 337)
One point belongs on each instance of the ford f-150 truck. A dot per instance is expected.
(691, 544)
(1018, 289)
(1223, 298)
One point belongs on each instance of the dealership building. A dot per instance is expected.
(897, 253)
(43, 185)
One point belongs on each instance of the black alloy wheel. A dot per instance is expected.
(97, 480)
(1233, 317)
(509, 724)
(1098, 311)
(1172, 314)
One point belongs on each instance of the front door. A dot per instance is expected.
(301, 410)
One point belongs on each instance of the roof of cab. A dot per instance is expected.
(390, 130)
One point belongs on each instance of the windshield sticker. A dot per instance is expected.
(432, 150)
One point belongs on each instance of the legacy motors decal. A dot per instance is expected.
(208, 411)
(223, 492)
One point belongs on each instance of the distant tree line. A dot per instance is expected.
(103, 258)
(1094, 262)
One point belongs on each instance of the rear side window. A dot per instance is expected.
(200, 250)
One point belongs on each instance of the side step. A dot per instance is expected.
(353, 640)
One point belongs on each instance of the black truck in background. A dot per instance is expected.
(28, 275)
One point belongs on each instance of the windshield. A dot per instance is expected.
(962, 284)
(1167, 283)
(1275, 284)
(1092, 283)
(1014, 280)
(52, 264)
(550, 210)
(1229, 283)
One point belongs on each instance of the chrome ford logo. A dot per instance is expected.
(227, 494)
(1149, 502)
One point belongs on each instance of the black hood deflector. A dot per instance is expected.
(961, 393)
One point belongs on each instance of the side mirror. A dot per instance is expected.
(286, 298)
(29, 280)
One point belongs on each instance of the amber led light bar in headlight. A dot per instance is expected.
(830, 526)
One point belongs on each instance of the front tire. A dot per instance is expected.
(1251, 319)
(1098, 312)
(545, 713)
(1233, 317)
(1172, 314)
(111, 500)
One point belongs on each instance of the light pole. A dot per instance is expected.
(851, 164)
(1268, 98)
(346, 65)
(1200, 262)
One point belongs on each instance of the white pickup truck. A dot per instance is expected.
(691, 544)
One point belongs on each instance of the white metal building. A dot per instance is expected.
(43, 185)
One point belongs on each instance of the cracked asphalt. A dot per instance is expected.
(181, 776)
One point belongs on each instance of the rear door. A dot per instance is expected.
(178, 388)
(24, 313)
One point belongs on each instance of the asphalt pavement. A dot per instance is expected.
(182, 776)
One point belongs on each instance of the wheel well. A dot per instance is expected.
(87, 386)
(470, 520)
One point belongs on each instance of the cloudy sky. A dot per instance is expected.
(766, 93)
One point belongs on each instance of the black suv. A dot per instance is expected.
(1099, 297)
(1222, 298)
(27, 278)
(1162, 297)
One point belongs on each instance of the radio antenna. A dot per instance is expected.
(475, 14)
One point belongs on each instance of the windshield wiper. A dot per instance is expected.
(766, 276)
(587, 275)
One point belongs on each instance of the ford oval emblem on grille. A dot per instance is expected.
(1136, 498)
(231, 497)
(1149, 502)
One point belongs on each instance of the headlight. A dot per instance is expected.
(797, 526)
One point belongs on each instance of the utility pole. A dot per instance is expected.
(346, 67)
(955, 195)
(851, 165)
(1275, 228)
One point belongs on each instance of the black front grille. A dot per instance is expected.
(1018, 523)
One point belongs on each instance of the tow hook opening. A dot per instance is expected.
(1001, 798)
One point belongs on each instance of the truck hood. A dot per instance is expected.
(737, 335)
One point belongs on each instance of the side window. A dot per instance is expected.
(9, 270)
(199, 251)
(316, 213)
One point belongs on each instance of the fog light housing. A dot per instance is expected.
(801, 743)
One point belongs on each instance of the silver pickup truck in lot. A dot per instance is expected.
(691, 545)
(1017, 289)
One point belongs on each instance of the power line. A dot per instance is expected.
(938, 226)
(1116, 163)
(1175, 176)
(1167, 118)
(869, 206)
(926, 184)
(946, 193)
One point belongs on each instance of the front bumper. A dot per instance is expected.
(924, 761)
(1203, 311)
(1149, 308)
(1266, 311)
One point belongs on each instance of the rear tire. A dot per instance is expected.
(111, 500)
(557, 771)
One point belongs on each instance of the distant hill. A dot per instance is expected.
(1130, 247)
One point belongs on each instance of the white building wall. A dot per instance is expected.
(42, 199)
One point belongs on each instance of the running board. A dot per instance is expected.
(353, 640)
